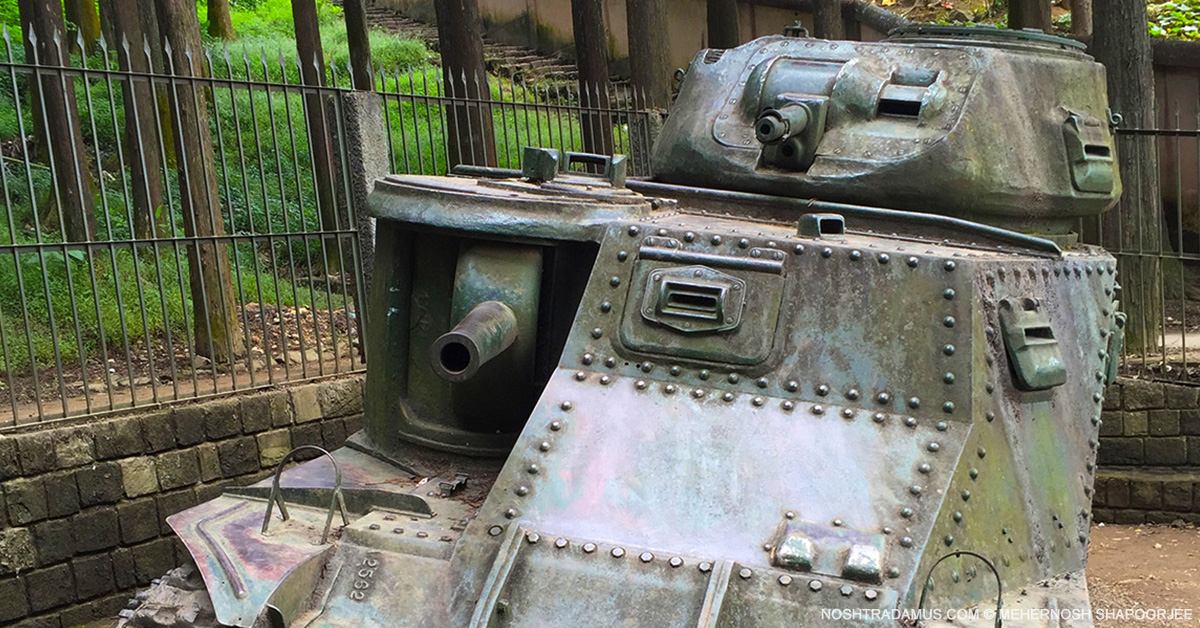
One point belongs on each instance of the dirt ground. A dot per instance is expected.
(1145, 567)
(1130, 567)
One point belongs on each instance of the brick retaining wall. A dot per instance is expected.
(83, 508)
(1149, 458)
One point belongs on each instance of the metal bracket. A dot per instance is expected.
(1033, 351)
(336, 500)
(956, 554)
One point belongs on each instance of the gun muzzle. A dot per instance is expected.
(484, 333)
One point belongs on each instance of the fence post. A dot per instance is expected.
(365, 146)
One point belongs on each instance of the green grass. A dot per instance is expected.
(61, 307)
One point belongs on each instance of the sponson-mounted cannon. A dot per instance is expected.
(839, 361)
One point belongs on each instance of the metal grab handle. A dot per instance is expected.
(956, 554)
(614, 166)
(335, 500)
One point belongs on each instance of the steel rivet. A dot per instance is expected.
(791, 386)
(910, 421)
(949, 540)
(495, 530)
(397, 530)
(758, 401)
(606, 307)
(785, 580)
(622, 256)
(948, 407)
(799, 249)
(914, 489)
(588, 548)
(566, 406)
(886, 530)
(555, 426)
(1097, 397)
(733, 378)
(374, 526)
(906, 512)
(669, 389)
(580, 376)
(949, 265)
(958, 517)
(640, 385)
(597, 333)
(855, 256)
(933, 446)
(948, 378)
(966, 495)
(610, 362)
(704, 567)
(689, 236)
(814, 585)
(545, 446)
(942, 426)
(703, 374)
(837, 523)
(646, 557)
(698, 393)
(587, 359)
(906, 542)
(848, 413)
(990, 416)
(614, 282)
(510, 513)
(789, 514)
(948, 321)
(646, 366)
(818, 410)
(633, 230)
(912, 262)
(727, 396)
(948, 349)
(883, 397)
(982, 452)
(533, 469)
(745, 573)
(605, 380)
(761, 382)
(522, 490)
(675, 370)
(560, 543)
(852, 394)
(676, 561)
(893, 572)
(822, 390)
(787, 405)
(879, 417)
(914, 402)
(924, 467)
(715, 239)
(948, 294)
(743, 243)
(883, 258)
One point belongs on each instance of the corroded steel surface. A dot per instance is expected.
(710, 409)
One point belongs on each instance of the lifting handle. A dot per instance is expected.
(335, 501)
(956, 554)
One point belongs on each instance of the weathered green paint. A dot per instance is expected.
(708, 408)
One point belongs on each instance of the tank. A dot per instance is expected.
(840, 362)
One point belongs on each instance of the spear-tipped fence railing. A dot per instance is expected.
(211, 263)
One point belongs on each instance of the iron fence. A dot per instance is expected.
(1155, 235)
(146, 264)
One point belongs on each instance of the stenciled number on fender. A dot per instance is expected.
(364, 579)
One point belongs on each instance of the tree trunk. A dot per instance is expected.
(312, 73)
(84, 16)
(359, 42)
(107, 28)
(141, 127)
(649, 52)
(723, 29)
(148, 16)
(1030, 14)
(1121, 41)
(56, 118)
(827, 19)
(1081, 18)
(469, 128)
(591, 57)
(217, 332)
(220, 20)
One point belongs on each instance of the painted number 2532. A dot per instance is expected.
(364, 579)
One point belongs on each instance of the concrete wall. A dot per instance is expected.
(1149, 458)
(82, 508)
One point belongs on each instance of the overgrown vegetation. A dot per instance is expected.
(66, 305)
(1180, 19)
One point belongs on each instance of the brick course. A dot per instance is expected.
(83, 508)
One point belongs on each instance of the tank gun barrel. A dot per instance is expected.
(484, 333)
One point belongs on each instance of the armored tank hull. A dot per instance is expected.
(593, 402)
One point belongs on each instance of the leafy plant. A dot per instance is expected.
(1180, 19)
